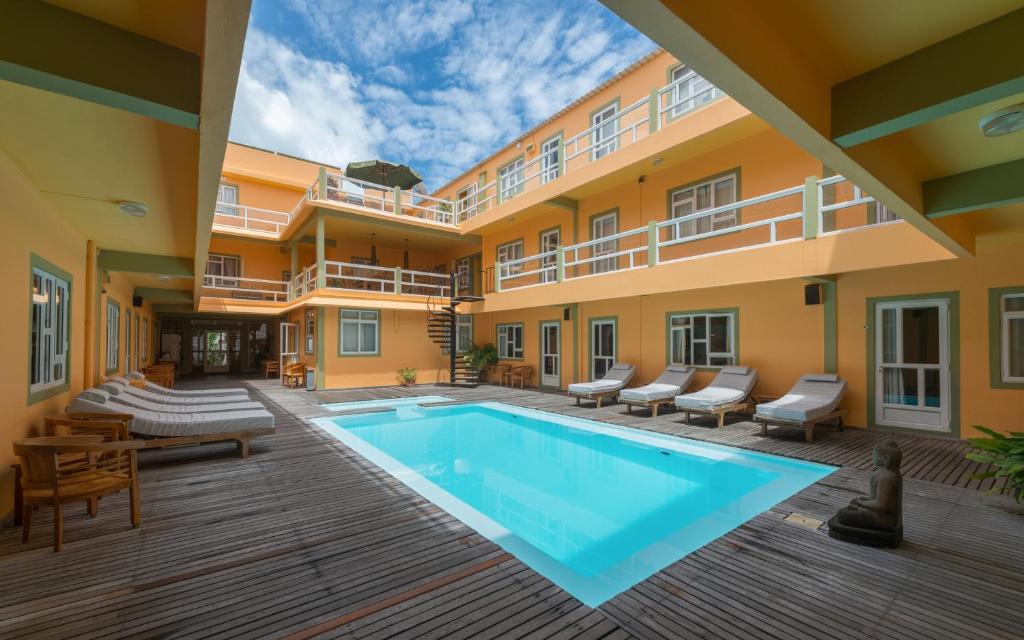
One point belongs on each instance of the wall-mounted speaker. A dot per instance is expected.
(812, 294)
(136, 301)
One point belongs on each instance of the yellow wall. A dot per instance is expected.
(32, 226)
(120, 290)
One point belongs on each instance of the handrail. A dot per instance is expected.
(276, 290)
(244, 214)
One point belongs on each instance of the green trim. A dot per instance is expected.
(380, 320)
(510, 324)
(540, 352)
(736, 172)
(145, 263)
(830, 329)
(953, 300)
(992, 186)
(172, 296)
(564, 202)
(321, 359)
(590, 230)
(38, 262)
(995, 338)
(810, 207)
(117, 332)
(590, 341)
(734, 311)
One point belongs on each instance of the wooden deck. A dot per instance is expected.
(307, 539)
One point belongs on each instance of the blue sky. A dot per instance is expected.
(436, 84)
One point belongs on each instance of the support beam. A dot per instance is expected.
(60, 51)
(564, 202)
(145, 263)
(983, 188)
(973, 68)
(321, 261)
(166, 296)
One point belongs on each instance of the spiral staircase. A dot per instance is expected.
(442, 329)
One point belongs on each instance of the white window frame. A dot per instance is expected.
(604, 138)
(682, 92)
(216, 262)
(594, 324)
(602, 248)
(550, 156)
(692, 318)
(716, 222)
(549, 263)
(51, 330)
(463, 333)
(510, 341)
(227, 199)
(361, 317)
(512, 179)
(113, 334)
(518, 251)
(465, 201)
(1005, 318)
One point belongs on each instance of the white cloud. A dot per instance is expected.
(439, 85)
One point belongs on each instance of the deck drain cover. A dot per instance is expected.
(801, 520)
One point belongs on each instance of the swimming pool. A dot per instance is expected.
(593, 507)
(386, 402)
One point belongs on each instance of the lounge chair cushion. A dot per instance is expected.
(98, 396)
(233, 403)
(731, 385)
(124, 387)
(154, 423)
(618, 376)
(194, 393)
(810, 398)
(672, 381)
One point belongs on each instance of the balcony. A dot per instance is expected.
(251, 221)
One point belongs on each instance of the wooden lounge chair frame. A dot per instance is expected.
(744, 406)
(836, 417)
(650, 404)
(599, 396)
(243, 438)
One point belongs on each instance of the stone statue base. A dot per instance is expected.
(866, 537)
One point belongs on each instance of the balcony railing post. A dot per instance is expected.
(559, 264)
(398, 280)
(322, 183)
(652, 243)
(654, 111)
(398, 201)
(321, 261)
(810, 207)
(497, 277)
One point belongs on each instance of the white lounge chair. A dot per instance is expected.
(609, 386)
(195, 393)
(170, 429)
(141, 392)
(672, 382)
(729, 391)
(230, 403)
(814, 399)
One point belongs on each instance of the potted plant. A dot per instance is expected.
(407, 376)
(482, 357)
(1005, 454)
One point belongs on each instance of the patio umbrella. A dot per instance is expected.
(386, 174)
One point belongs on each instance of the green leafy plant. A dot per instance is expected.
(1005, 452)
(407, 375)
(480, 357)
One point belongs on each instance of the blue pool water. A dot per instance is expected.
(593, 507)
(385, 402)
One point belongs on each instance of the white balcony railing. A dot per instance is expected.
(773, 218)
(235, 217)
(395, 280)
(401, 202)
(248, 288)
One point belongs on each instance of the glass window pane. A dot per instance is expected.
(900, 386)
(725, 192)
(700, 353)
(1013, 303)
(369, 338)
(677, 356)
(718, 327)
(1015, 347)
(932, 392)
(700, 327)
(889, 335)
(921, 335)
(349, 338)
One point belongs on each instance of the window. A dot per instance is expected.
(360, 332)
(113, 332)
(511, 179)
(511, 251)
(549, 241)
(128, 341)
(48, 348)
(224, 266)
(510, 341)
(702, 340)
(701, 197)
(465, 202)
(310, 329)
(605, 137)
(603, 226)
(227, 200)
(883, 213)
(602, 346)
(550, 153)
(463, 333)
(691, 92)
(464, 275)
(144, 342)
(1012, 341)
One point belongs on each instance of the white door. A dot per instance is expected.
(550, 360)
(549, 241)
(216, 359)
(289, 344)
(602, 227)
(549, 165)
(912, 356)
(602, 347)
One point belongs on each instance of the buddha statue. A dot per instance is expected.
(876, 519)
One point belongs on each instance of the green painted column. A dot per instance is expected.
(398, 201)
(828, 294)
(559, 264)
(322, 183)
(294, 259)
(497, 277)
(653, 109)
(398, 279)
(652, 243)
(321, 266)
(321, 318)
(810, 205)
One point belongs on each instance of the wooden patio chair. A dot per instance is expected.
(271, 367)
(113, 427)
(522, 373)
(499, 373)
(56, 471)
(294, 375)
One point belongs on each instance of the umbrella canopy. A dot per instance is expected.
(386, 174)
